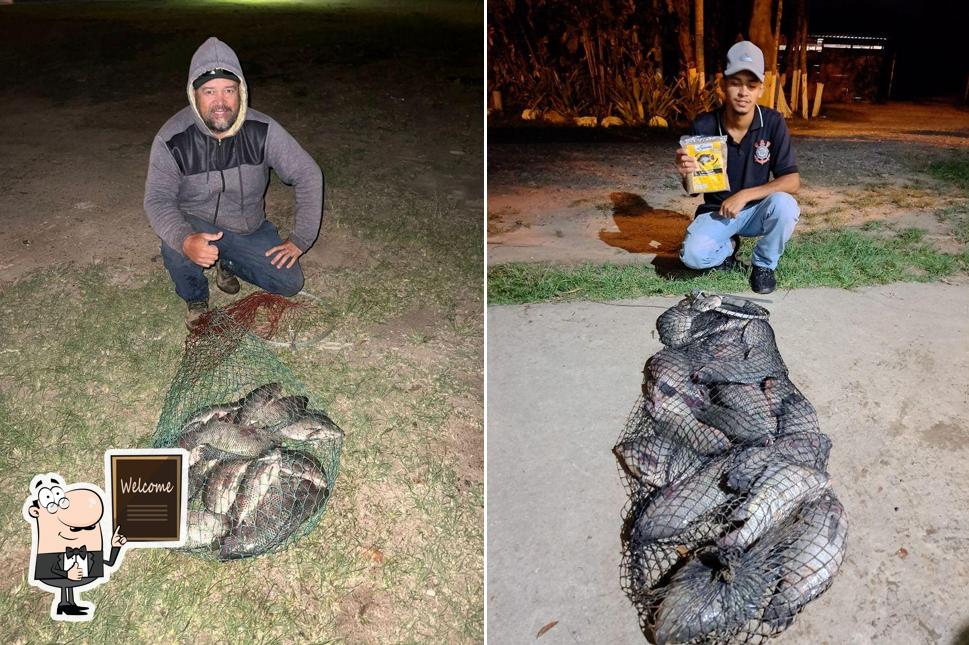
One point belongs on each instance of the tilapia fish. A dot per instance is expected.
(797, 415)
(723, 346)
(260, 396)
(693, 318)
(777, 493)
(745, 397)
(677, 422)
(775, 390)
(258, 531)
(225, 411)
(809, 449)
(228, 437)
(197, 474)
(649, 562)
(674, 324)
(275, 412)
(204, 529)
(709, 324)
(279, 514)
(813, 557)
(711, 597)
(759, 334)
(312, 426)
(302, 466)
(738, 425)
(667, 374)
(757, 365)
(805, 448)
(223, 484)
(656, 460)
(681, 503)
(260, 476)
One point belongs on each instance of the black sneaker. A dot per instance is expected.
(225, 280)
(762, 279)
(195, 310)
(732, 262)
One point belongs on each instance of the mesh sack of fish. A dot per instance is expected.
(731, 526)
(263, 453)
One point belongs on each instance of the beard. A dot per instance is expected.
(220, 124)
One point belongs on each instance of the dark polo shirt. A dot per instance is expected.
(765, 149)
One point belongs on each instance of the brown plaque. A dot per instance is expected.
(146, 496)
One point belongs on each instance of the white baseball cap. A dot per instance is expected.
(745, 55)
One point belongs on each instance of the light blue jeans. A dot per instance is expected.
(707, 242)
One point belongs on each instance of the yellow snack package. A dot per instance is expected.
(711, 157)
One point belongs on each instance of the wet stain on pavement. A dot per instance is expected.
(643, 229)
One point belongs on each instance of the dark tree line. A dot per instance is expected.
(639, 61)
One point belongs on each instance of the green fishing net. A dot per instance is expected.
(263, 452)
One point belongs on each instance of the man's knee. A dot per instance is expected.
(783, 206)
(698, 252)
(288, 282)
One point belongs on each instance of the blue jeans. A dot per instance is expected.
(707, 242)
(243, 255)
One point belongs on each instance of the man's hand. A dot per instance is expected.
(196, 248)
(286, 253)
(117, 539)
(74, 573)
(732, 205)
(685, 163)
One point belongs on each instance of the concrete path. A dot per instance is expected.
(887, 369)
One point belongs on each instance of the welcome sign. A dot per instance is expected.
(148, 489)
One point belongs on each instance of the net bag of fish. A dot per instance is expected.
(263, 452)
(731, 526)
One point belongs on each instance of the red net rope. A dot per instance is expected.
(261, 314)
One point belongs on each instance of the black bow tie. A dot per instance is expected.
(71, 552)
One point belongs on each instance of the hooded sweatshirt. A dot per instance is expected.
(223, 182)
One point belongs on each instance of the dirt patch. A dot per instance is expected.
(933, 122)
(364, 614)
(464, 447)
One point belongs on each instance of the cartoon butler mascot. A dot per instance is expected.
(68, 545)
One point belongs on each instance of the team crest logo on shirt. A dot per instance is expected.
(762, 151)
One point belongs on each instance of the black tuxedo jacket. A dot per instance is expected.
(50, 566)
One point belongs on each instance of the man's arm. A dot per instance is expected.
(297, 168)
(56, 568)
(732, 205)
(161, 197)
(115, 550)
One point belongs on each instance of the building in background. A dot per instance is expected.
(852, 67)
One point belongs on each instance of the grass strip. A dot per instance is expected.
(844, 258)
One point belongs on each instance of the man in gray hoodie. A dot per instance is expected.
(206, 186)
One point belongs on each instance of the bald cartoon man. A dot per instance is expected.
(68, 543)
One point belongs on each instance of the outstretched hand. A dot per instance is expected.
(117, 539)
(284, 254)
(197, 248)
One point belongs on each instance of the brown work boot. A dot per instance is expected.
(225, 280)
(195, 310)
